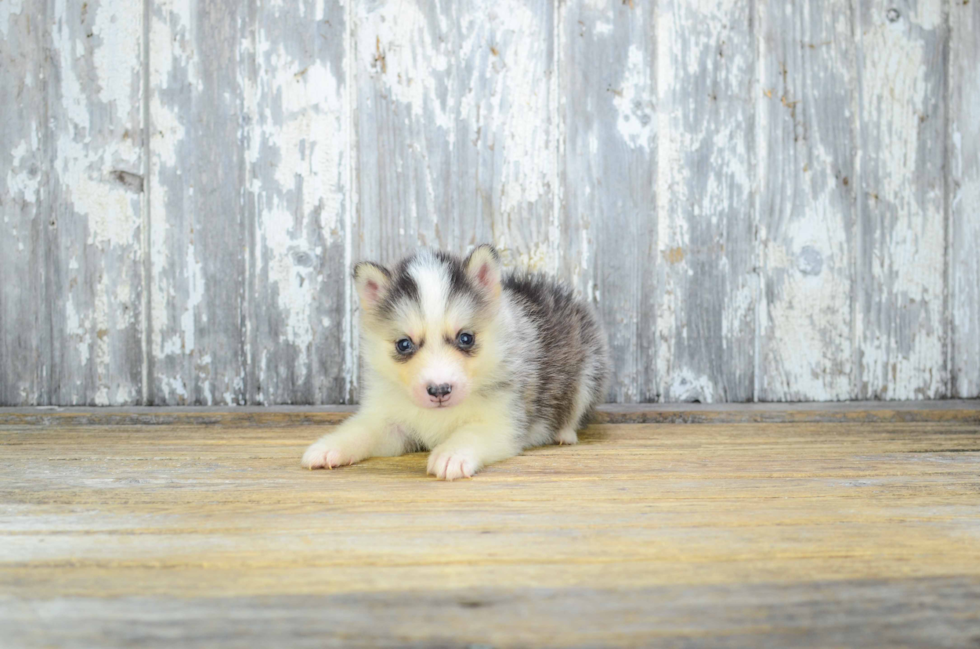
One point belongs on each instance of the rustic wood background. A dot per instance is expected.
(766, 200)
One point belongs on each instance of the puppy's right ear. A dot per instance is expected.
(483, 269)
(372, 282)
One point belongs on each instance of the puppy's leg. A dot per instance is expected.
(471, 448)
(362, 436)
(566, 435)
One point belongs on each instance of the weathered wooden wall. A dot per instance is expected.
(766, 200)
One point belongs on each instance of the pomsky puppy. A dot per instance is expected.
(466, 363)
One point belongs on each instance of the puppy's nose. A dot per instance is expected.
(439, 391)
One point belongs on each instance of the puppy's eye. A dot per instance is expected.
(404, 346)
(465, 340)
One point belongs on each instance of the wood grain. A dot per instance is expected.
(963, 196)
(72, 201)
(24, 204)
(807, 148)
(405, 115)
(297, 206)
(505, 146)
(456, 142)
(901, 237)
(927, 612)
(738, 534)
(705, 318)
(92, 302)
(198, 230)
(609, 223)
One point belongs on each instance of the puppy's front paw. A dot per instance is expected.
(324, 455)
(566, 436)
(452, 464)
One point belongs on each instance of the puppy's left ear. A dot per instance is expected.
(483, 269)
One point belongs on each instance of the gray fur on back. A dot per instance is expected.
(559, 358)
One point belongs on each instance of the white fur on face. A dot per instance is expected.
(433, 282)
(440, 362)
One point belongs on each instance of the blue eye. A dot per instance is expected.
(404, 346)
(465, 340)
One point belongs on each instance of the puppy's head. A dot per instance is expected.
(428, 324)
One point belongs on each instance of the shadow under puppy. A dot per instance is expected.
(468, 364)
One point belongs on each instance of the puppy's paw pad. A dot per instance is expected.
(453, 464)
(321, 455)
(566, 436)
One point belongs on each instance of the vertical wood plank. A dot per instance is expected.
(901, 238)
(298, 161)
(504, 162)
(89, 325)
(23, 177)
(609, 221)
(964, 206)
(406, 108)
(455, 126)
(806, 152)
(197, 193)
(94, 264)
(707, 286)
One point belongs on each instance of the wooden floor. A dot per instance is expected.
(196, 530)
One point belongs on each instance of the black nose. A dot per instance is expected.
(439, 391)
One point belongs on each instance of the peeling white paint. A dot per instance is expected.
(296, 293)
(9, 9)
(120, 30)
(203, 370)
(172, 42)
(171, 322)
(125, 395)
(806, 226)
(113, 215)
(508, 103)
(537, 258)
(83, 167)
(23, 182)
(96, 118)
(633, 101)
(77, 331)
(902, 352)
(195, 296)
(309, 101)
(168, 131)
(519, 99)
(174, 389)
(701, 126)
(685, 386)
(408, 59)
(929, 14)
(69, 49)
(301, 202)
(488, 71)
(672, 183)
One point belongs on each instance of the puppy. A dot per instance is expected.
(468, 364)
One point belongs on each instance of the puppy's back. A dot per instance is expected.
(568, 366)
